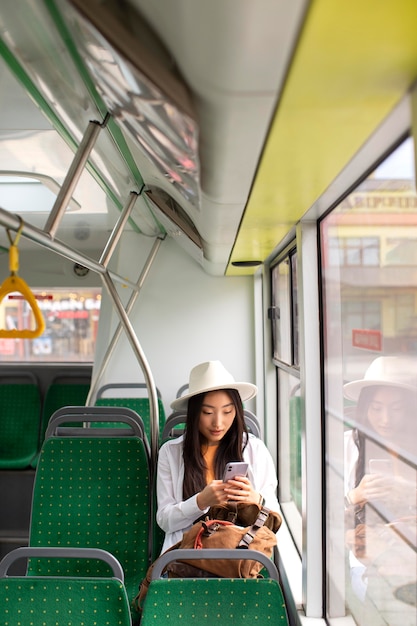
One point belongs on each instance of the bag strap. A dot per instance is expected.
(208, 528)
(248, 537)
(211, 525)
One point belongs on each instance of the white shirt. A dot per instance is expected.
(351, 461)
(175, 515)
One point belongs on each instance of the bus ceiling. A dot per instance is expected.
(191, 156)
(228, 124)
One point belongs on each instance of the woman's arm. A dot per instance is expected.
(262, 473)
(173, 512)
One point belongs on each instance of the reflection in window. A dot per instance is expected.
(360, 314)
(354, 251)
(401, 251)
(370, 349)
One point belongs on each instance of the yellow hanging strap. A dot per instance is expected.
(14, 284)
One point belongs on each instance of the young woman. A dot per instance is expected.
(385, 425)
(190, 468)
(380, 474)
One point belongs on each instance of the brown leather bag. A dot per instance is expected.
(243, 514)
(222, 533)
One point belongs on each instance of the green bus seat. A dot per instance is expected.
(79, 601)
(20, 423)
(199, 601)
(140, 404)
(64, 390)
(92, 489)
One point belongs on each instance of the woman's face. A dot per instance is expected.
(216, 416)
(386, 411)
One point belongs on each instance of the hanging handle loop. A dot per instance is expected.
(14, 284)
(13, 251)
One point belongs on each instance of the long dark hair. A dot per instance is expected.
(359, 437)
(362, 439)
(230, 447)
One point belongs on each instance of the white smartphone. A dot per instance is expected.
(235, 468)
(380, 466)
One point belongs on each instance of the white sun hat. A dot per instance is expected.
(210, 376)
(388, 371)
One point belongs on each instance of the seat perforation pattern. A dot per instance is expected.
(92, 492)
(50, 602)
(201, 601)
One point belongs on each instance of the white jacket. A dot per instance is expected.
(175, 515)
(351, 461)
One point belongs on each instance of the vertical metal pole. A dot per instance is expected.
(112, 345)
(73, 176)
(131, 335)
(118, 230)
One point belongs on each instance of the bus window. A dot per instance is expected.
(71, 320)
(285, 336)
(284, 310)
(369, 269)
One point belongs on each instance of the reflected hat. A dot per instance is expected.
(211, 376)
(387, 371)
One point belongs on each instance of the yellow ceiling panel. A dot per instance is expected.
(354, 62)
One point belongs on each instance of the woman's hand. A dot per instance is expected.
(371, 487)
(240, 490)
(212, 494)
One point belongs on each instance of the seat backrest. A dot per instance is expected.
(127, 395)
(252, 423)
(174, 425)
(202, 600)
(107, 419)
(79, 601)
(64, 390)
(20, 423)
(93, 489)
(226, 600)
(181, 391)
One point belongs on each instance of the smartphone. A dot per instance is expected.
(235, 468)
(380, 466)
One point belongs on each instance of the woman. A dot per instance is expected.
(377, 471)
(385, 424)
(190, 468)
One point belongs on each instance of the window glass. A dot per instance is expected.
(71, 322)
(400, 251)
(285, 327)
(294, 298)
(281, 311)
(290, 438)
(284, 310)
(369, 277)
